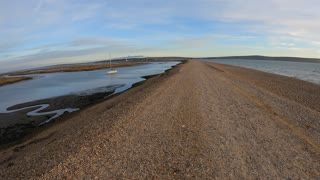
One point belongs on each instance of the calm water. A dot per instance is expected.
(300, 70)
(58, 84)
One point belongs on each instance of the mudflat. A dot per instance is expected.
(199, 120)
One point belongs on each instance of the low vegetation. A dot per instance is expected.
(10, 80)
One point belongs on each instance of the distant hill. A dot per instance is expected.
(294, 59)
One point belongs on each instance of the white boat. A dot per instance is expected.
(112, 70)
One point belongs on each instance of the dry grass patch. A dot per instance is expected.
(4, 80)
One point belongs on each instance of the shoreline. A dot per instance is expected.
(11, 80)
(312, 75)
(271, 82)
(26, 127)
(195, 120)
(17, 125)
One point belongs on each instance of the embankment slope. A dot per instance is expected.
(199, 120)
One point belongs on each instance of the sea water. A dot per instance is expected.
(306, 71)
(64, 83)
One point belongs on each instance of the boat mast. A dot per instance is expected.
(109, 60)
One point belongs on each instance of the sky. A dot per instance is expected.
(37, 33)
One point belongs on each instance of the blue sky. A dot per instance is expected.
(44, 32)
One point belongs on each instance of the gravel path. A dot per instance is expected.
(200, 120)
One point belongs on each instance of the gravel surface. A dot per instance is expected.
(199, 120)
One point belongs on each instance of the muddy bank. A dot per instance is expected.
(15, 125)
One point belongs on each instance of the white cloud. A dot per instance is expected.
(295, 17)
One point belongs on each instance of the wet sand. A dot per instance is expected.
(199, 120)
